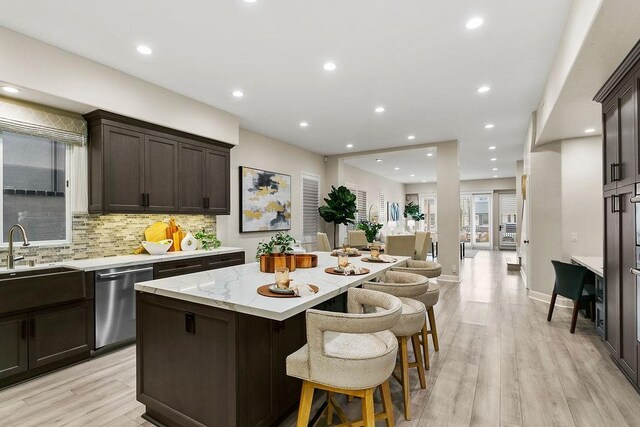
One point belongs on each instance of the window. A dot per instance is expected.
(34, 182)
(310, 203)
(361, 205)
(382, 217)
(465, 218)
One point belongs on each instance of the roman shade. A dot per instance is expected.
(39, 120)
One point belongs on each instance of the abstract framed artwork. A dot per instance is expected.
(394, 211)
(265, 200)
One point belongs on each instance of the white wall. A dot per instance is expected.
(468, 186)
(262, 152)
(37, 66)
(582, 200)
(375, 185)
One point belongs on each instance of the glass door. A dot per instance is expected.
(465, 218)
(481, 224)
(508, 221)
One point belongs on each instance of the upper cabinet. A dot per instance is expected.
(140, 167)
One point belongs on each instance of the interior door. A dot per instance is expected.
(508, 220)
(161, 174)
(481, 221)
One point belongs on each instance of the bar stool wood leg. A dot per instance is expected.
(415, 341)
(425, 345)
(306, 399)
(329, 408)
(387, 404)
(434, 330)
(404, 366)
(368, 414)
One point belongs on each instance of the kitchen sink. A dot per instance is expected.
(24, 289)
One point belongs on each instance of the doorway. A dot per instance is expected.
(508, 220)
(481, 221)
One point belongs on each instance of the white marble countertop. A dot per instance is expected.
(235, 288)
(93, 264)
(593, 263)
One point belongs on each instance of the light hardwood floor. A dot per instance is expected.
(500, 364)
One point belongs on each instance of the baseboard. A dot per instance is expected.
(448, 278)
(560, 301)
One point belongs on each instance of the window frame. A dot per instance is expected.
(311, 176)
(67, 197)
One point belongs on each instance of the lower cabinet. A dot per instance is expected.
(38, 341)
(180, 267)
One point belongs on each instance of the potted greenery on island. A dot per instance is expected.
(280, 245)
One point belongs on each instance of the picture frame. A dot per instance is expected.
(265, 200)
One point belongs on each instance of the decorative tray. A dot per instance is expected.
(265, 290)
(332, 270)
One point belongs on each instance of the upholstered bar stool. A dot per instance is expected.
(413, 321)
(429, 299)
(349, 353)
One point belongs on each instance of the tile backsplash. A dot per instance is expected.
(95, 235)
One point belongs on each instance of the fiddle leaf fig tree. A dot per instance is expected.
(340, 208)
(412, 211)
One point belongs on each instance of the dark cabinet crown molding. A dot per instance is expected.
(150, 128)
(627, 64)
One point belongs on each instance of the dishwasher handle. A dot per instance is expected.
(123, 273)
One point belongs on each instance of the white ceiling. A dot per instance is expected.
(410, 162)
(415, 57)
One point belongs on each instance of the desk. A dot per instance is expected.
(595, 265)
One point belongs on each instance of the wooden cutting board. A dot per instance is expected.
(156, 232)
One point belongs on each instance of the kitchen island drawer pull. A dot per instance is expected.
(634, 271)
(122, 273)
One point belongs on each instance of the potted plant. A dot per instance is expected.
(276, 251)
(207, 241)
(370, 229)
(412, 211)
(340, 208)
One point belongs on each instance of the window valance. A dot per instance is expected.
(39, 120)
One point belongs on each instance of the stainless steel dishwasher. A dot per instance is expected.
(115, 303)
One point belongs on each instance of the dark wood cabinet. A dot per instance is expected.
(191, 169)
(124, 177)
(621, 175)
(161, 174)
(180, 267)
(13, 351)
(136, 166)
(60, 333)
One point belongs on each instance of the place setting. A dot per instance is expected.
(286, 287)
(345, 268)
(376, 257)
(346, 249)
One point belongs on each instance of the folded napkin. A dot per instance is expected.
(352, 269)
(386, 258)
(301, 290)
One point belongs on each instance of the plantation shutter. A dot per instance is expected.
(382, 217)
(361, 205)
(310, 204)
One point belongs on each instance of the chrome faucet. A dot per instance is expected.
(25, 242)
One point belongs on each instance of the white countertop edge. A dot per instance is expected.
(93, 264)
(592, 263)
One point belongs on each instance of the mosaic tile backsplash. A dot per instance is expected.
(95, 236)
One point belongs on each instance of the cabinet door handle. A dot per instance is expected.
(204, 203)
(147, 198)
(32, 328)
(208, 203)
(615, 204)
(615, 171)
(23, 326)
(634, 271)
(190, 323)
(143, 200)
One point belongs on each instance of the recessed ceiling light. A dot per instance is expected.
(412, 175)
(411, 137)
(495, 176)
(484, 89)
(349, 145)
(145, 50)
(429, 154)
(329, 66)
(493, 147)
(249, 1)
(237, 93)
(379, 109)
(489, 126)
(589, 130)
(378, 160)
(494, 169)
(424, 180)
(304, 124)
(10, 89)
(474, 23)
(493, 159)
(396, 168)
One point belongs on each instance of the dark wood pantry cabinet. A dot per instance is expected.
(136, 166)
(621, 184)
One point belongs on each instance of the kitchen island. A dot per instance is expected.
(211, 351)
